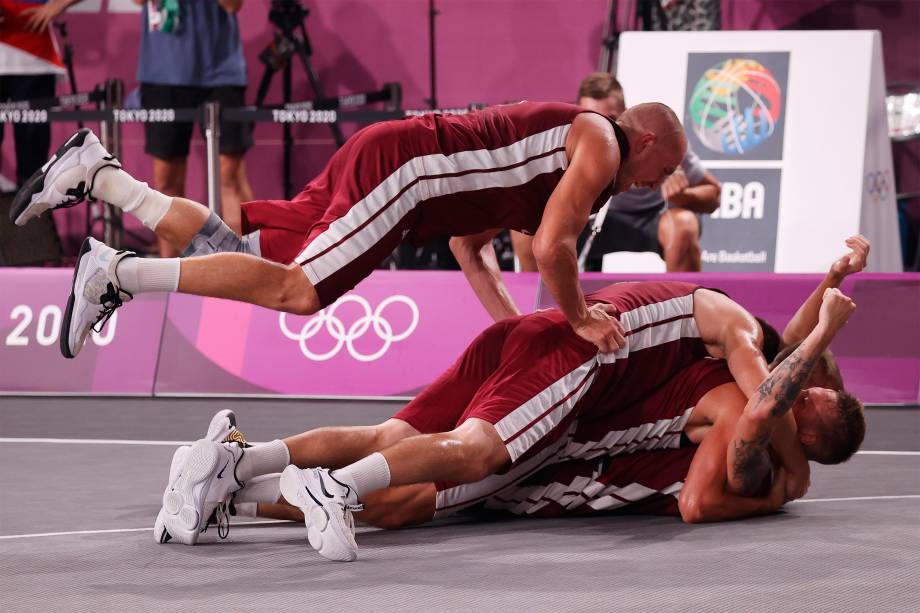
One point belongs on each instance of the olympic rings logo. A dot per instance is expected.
(879, 184)
(371, 319)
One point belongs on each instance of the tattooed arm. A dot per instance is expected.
(748, 462)
(705, 496)
(731, 332)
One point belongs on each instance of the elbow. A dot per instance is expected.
(711, 207)
(545, 250)
(713, 203)
(692, 507)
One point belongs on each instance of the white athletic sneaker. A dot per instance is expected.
(65, 180)
(95, 294)
(160, 534)
(207, 474)
(327, 511)
(221, 429)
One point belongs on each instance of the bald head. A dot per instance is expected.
(657, 144)
(658, 119)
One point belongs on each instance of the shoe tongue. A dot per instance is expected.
(336, 486)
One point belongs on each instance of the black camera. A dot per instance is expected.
(287, 14)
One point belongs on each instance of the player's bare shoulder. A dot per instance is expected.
(592, 138)
(715, 313)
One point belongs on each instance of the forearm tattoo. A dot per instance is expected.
(752, 460)
(785, 383)
(751, 465)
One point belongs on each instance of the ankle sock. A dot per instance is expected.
(366, 475)
(118, 188)
(138, 275)
(263, 459)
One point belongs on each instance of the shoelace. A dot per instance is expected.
(221, 517)
(225, 509)
(77, 195)
(110, 301)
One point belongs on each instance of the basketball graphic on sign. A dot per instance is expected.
(735, 106)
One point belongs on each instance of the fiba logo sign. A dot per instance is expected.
(735, 106)
(741, 201)
(366, 334)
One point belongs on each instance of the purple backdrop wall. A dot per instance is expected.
(390, 337)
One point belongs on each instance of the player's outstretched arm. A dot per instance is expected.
(806, 317)
(765, 409)
(477, 259)
(595, 159)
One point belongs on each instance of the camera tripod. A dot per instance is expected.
(291, 40)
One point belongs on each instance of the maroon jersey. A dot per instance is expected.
(532, 377)
(417, 178)
(639, 463)
(655, 422)
(645, 483)
(662, 338)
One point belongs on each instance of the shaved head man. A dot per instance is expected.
(538, 167)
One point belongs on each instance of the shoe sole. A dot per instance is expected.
(321, 530)
(222, 424)
(36, 182)
(184, 499)
(160, 533)
(85, 248)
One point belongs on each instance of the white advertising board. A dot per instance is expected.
(793, 124)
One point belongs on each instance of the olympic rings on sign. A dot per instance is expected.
(326, 319)
(878, 184)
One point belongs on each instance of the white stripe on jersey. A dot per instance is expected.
(653, 336)
(580, 491)
(661, 434)
(319, 267)
(561, 396)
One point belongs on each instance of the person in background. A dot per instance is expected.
(191, 54)
(663, 221)
(29, 67)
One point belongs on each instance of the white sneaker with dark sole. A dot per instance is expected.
(221, 429)
(326, 511)
(95, 293)
(65, 180)
(208, 473)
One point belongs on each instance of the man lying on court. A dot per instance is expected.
(514, 396)
(541, 168)
(726, 477)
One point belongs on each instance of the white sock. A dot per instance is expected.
(246, 509)
(120, 189)
(366, 475)
(264, 488)
(263, 459)
(137, 275)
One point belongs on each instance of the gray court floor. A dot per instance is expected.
(76, 532)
